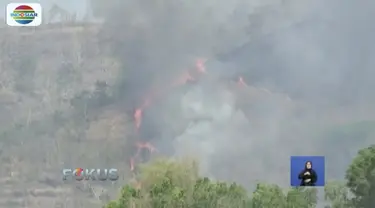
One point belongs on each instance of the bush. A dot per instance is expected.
(166, 183)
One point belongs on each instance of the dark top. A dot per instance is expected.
(313, 176)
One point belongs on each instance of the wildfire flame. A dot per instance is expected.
(241, 82)
(187, 76)
(138, 117)
(200, 65)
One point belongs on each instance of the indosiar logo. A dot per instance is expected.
(23, 14)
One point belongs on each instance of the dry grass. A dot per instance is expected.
(34, 155)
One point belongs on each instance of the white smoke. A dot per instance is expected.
(226, 142)
(215, 112)
(319, 52)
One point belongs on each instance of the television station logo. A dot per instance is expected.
(24, 14)
(95, 174)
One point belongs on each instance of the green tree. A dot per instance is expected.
(302, 198)
(268, 195)
(217, 194)
(360, 178)
(337, 194)
(168, 183)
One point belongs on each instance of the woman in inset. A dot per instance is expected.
(308, 176)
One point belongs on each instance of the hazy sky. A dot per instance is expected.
(70, 5)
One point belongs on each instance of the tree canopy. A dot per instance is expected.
(172, 183)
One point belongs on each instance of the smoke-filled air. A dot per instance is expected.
(244, 85)
(237, 86)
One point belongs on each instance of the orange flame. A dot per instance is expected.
(200, 66)
(145, 145)
(132, 164)
(187, 76)
(138, 117)
(138, 114)
(241, 82)
(183, 79)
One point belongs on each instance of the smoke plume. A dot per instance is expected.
(242, 85)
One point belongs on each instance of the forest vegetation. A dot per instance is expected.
(273, 83)
(170, 183)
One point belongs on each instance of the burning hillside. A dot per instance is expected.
(147, 129)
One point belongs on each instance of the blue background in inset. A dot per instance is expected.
(297, 164)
